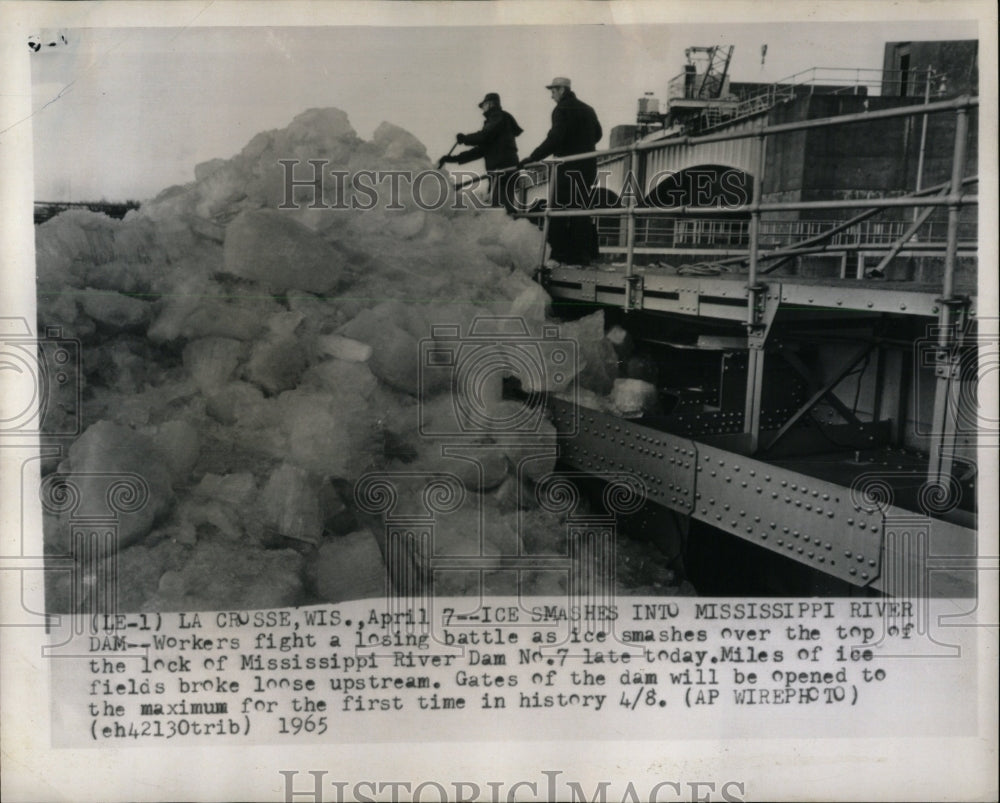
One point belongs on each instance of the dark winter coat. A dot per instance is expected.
(494, 142)
(575, 129)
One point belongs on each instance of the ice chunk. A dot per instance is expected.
(395, 352)
(399, 145)
(326, 128)
(208, 516)
(395, 360)
(125, 364)
(270, 247)
(338, 375)
(584, 398)
(179, 444)
(514, 495)
(197, 308)
(115, 311)
(58, 307)
(205, 169)
(216, 317)
(343, 348)
(537, 460)
(211, 361)
(481, 464)
(329, 434)
(411, 318)
(290, 504)
(240, 402)
(622, 341)
(598, 361)
(321, 315)
(216, 576)
(67, 244)
(632, 398)
(338, 518)
(101, 456)
(234, 489)
(138, 569)
(220, 188)
(408, 225)
(523, 241)
(531, 303)
(350, 567)
(225, 504)
(276, 365)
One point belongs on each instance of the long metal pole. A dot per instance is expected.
(775, 206)
(923, 138)
(955, 201)
(919, 218)
(756, 334)
(633, 283)
(633, 166)
(856, 117)
(821, 122)
(926, 197)
(946, 365)
(550, 194)
(755, 217)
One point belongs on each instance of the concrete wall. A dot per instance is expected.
(957, 60)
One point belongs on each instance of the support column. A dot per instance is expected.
(550, 194)
(756, 330)
(950, 325)
(631, 280)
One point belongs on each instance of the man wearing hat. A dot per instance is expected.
(575, 129)
(494, 144)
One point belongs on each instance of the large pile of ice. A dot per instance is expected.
(252, 363)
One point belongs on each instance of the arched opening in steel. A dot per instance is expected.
(720, 188)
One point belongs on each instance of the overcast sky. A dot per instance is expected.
(125, 112)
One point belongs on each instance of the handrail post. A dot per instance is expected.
(946, 364)
(550, 194)
(633, 282)
(630, 278)
(923, 138)
(756, 333)
(957, 174)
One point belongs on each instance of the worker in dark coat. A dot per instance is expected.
(494, 144)
(575, 129)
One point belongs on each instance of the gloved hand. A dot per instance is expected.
(460, 139)
(446, 160)
(521, 165)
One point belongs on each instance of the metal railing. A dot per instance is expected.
(641, 221)
(767, 229)
(828, 80)
(952, 309)
(669, 232)
(835, 80)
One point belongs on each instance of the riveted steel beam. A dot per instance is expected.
(727, 299)
(831, 528)
(606, 443)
